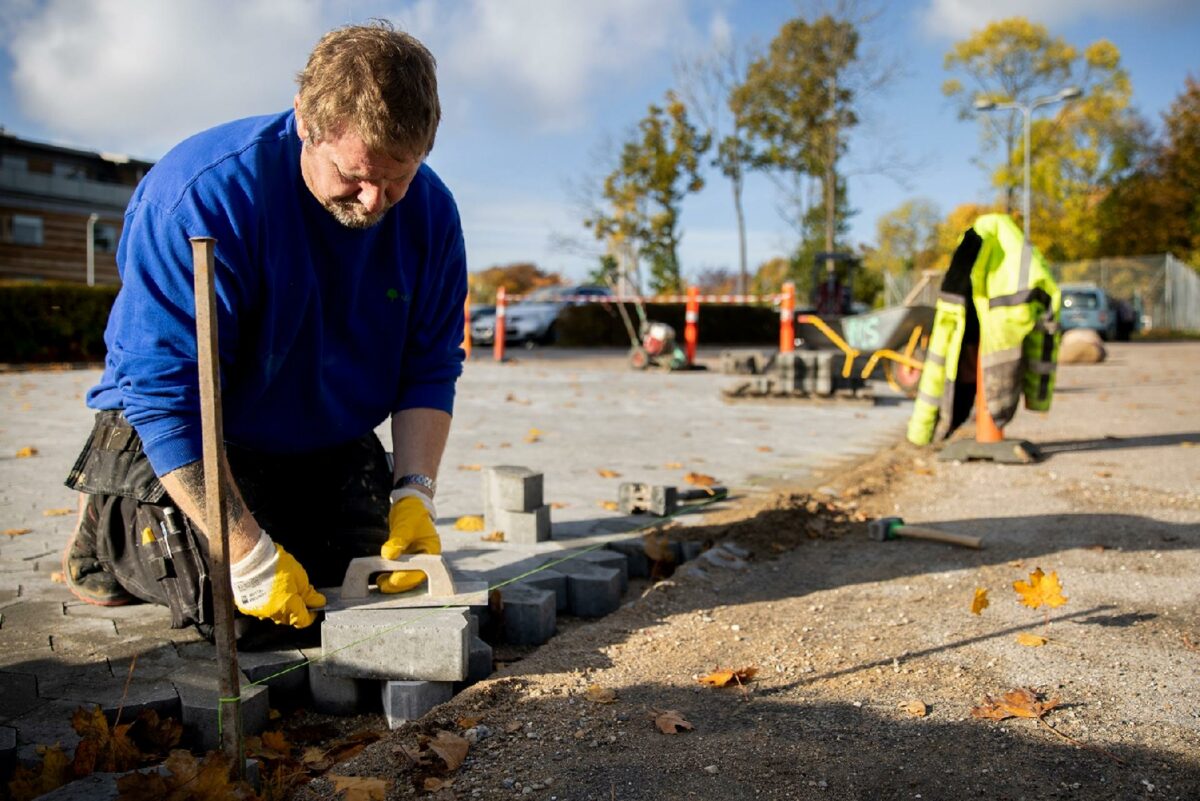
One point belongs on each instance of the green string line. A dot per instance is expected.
(426, 611)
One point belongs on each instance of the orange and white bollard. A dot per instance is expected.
(467, 326)
(691, 324)
(498, 334)
(787, 319)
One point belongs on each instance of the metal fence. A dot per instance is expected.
(1165, 290)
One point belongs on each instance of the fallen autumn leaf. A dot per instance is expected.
(1041, 589)
(723, 678)
(600, 695)
(1031, 640)
(917, 709)
(980, 601)
(469, 523)
(670, 721)
(26, 452)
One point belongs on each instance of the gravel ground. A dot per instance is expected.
(844, 631)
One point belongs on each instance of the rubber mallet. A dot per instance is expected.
(893, 528)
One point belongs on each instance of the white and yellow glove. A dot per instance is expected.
(269, 583)
(411, 530)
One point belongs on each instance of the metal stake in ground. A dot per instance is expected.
(207, 356)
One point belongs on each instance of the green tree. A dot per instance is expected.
(906, 242)
(657, 167)
(797, 105)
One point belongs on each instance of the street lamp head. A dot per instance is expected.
(1070, 93)
(983, 104)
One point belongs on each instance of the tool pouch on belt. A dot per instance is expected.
(141, 538)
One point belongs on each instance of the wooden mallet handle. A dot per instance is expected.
(922, 533)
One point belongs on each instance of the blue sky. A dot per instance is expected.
(532, 89)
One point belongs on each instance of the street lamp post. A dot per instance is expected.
(1026, 109)
(91, 249)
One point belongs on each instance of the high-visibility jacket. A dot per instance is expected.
(997, 296)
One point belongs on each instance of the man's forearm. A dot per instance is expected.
(418, 440)
(186, 487)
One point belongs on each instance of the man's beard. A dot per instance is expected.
(353, 214)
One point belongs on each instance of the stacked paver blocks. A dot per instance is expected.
(513, 503)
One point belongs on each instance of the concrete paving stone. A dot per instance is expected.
(111, 695)
(8, 752)
(529, 614)
(480, 664)
(522, 528)
(199, 703)
(426, 644)
(54, 676)
(607, 558)
(18, 694)
(283, 672)
(408, 700)
(636, 561)
(150, 659)
(513, 489)
(592, 590)
(690, 549)
(552, 580)
(47, 724)
(336, 695)
(103, 786)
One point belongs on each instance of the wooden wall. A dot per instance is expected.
(62, 255)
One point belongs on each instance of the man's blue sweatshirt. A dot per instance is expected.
(324, 330)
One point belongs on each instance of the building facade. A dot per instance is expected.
(53, 200)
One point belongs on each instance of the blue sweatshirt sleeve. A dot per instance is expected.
(433, 353)
(151, 335)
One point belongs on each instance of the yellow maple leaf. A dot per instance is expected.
(495, 536)
(26, 452)
(723, 678)
(533, 436)
(56, 512)
(1041, 589)
(606, 473)
(673, 466)
(600, 695)
(980, 601)
(16, 532)
(699, 479)
(472, 467)
(611, 506)
(469, 523)
(1031, 640)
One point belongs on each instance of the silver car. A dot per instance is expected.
(533, 319)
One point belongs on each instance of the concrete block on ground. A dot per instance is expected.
(112, 695)
(199, 701)
(8, 752)
(480, 664)
(592, 590)
(47, 724)
(637, 563)
(408, 700)
(553, 581)
(690, 549)
(635, 497)
(18, 694)
(521, 528)
(335, 695)
(529, 614)
(425, 644)
(512, 488)
(607, 558)
(283, 672)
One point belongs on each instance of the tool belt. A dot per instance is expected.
(141, 538)
(326, 507)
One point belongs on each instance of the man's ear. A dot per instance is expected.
(301, 126)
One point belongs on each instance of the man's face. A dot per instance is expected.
(356, 185)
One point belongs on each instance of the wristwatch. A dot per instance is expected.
(419, 479)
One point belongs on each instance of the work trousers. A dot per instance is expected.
(325, 507)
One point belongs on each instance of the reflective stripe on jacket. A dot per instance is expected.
(1012, 318)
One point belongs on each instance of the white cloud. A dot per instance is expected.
(540, 60)
(957, 18)
(140, 75)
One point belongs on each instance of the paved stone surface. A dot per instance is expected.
(336, 695)
(8, 751)
(529, 615)
(199, 703)
(592, 590)
(46, 632)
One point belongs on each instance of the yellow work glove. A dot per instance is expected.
(410, 526)
(269, 583)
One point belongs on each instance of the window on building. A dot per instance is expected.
(105, 237)
(25, 229)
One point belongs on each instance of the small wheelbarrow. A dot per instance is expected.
(895, 338)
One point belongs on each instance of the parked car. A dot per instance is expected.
(533, 320)
(1088, 306)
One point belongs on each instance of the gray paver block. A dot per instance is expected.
(607, 558)
(48, 724)
(480, 664)
(283, 672)
(690, 549)
(112, 695)
(636, 560)
(529, 614)
(552, 580)
(334, 695)
(592, 590)
(18, 694)
(408, 700)
(522, 528)
(199, 702)
(8, 751)
(512, 488)
(426, 644)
